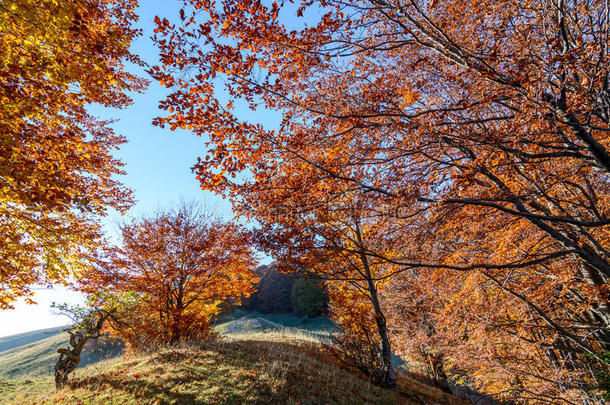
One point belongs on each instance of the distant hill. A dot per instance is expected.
(38, 358)
(21, 339)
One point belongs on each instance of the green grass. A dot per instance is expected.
(33, 359)
(241, 322)
(26, 390)
(319, 323)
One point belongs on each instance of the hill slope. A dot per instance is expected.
(259, 368)
(241, 322)
(34, 353)
(260, 359)
(38, 358)
(21, 339)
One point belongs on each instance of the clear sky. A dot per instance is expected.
(158, 164)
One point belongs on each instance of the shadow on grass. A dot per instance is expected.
(140, 389)
(239, 372)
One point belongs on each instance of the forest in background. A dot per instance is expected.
(279, 293)
(441, 168)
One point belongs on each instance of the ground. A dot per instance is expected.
(267, 365)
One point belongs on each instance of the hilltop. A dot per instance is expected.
(257, 359)
(34, 354)
(256, 368)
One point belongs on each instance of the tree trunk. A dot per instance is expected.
(388, 379)
(69, 357)
(599, 314)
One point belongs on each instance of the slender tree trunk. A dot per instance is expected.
(600, 313)
(388, 380)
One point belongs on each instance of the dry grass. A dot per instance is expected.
(283, 367)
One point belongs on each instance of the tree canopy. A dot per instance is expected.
(57, 170)
(468, 141)
(171, 272)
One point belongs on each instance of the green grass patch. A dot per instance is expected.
(241, 323)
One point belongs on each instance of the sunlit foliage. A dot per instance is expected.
(57, 171)
(171, 273)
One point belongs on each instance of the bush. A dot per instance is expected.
(308, 298)
(361, 351)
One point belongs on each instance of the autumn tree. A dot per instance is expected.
(87, 325)
(328, 251)
(475, 131)
(178, 266)
(56, 162)
(329, 239)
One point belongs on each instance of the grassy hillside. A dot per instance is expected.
(22, 339)
(28, 389)
(34, 353)
(38, 358)
(255, 368)
(259, 359)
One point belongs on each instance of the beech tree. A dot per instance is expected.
(56, 162)
(329, 242)
(87, 325)
(476, 132)
(177, 267)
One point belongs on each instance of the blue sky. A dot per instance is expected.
(158, 164)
